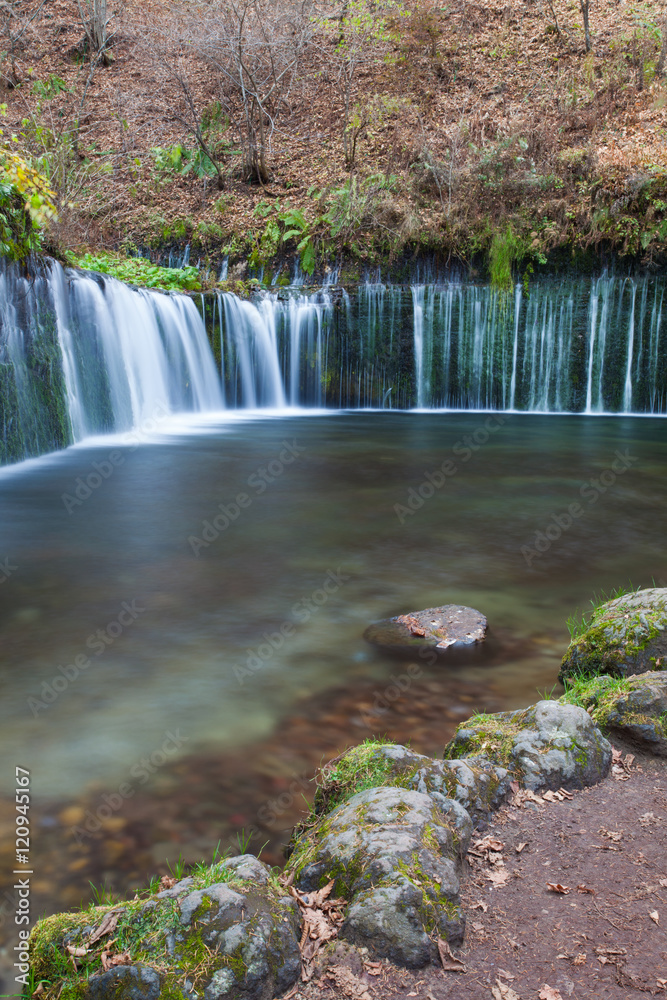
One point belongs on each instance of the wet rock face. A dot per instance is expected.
(396, 857)
(549, 745)
(635, 708)
(451, 626)
(625, 636)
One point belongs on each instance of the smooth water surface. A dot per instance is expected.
(325, 500)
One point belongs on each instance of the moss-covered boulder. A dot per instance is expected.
(478, 785)
(396, 857)
(632, 707)
(217, 935)
(623, 637)
(548, 745)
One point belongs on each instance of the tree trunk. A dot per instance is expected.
(660, 68)
(585, 8)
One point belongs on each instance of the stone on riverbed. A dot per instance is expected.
(625, 636)
(396, 857)
(451, 626)
(633, 707)
(229, 932)
(548, 745)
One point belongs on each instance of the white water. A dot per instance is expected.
(118, 357)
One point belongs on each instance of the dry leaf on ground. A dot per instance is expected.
(550, 993)
(499, 877)
(557, 887)
(450, 962)
(655, 916)
(76, 952)
(322, 918)
(107, 926)
(501, 991)
(109, 961)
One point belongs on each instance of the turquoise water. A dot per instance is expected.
(171, 618)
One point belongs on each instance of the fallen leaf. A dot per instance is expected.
(550, 993)
(501, 991)
(107, 925)
(580, 959)
(647, 819)
(663, 882)
(109, 961)
(506, 975)
(481, 905)
(40, 989)
(487, 843)
(167, 882)
(76, 952)
(373, 968)
(611, 834)
(557, 887)
(478, 927)
(520, 847)
(655, 916)
(450, 962)
(584, 888)
(499, 878)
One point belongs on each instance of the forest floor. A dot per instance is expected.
(601, 934)
(468, 118)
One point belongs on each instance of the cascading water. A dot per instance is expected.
(82, 355)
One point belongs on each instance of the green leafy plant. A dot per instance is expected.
(139, 271)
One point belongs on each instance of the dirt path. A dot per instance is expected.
(604, 938)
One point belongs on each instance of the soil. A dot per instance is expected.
(606, 937)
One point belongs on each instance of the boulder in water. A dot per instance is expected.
(451, 626)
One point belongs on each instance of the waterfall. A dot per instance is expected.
(82, 354)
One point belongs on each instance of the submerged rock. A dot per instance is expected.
(549, 745)
(450, 626)
(633, 707)
(396, 857)
(228, 933)
(625, 636)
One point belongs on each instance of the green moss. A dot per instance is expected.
(360, 768)
(490, 736)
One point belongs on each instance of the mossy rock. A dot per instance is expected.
(548, 745)
(226, 939)
(632, 707)
(395, 856)
(477, 785)
(625, 636)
